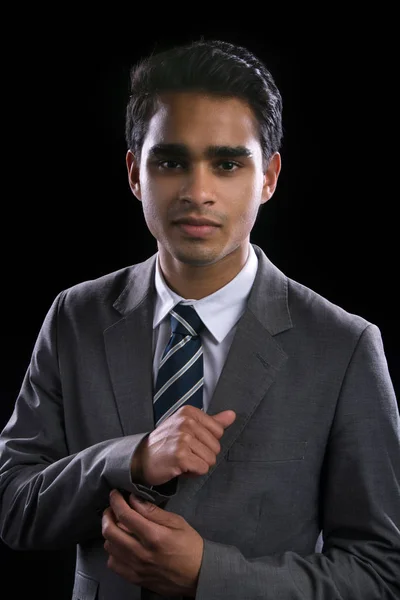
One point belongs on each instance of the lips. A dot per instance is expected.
(196, 222)
(197, 228)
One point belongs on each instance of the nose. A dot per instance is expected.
(198, 186)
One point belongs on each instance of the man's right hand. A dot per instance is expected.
(185, 443)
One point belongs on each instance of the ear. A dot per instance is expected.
(133, 174)
(271, 177)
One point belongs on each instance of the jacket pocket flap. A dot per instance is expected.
(269, 451)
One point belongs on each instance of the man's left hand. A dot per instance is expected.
(152, 547)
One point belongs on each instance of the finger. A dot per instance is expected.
(194, 415)
(193, 464)
(108, 516)
(124, 528)
(110, 525)
(120, 508)
(225, 418)
(118, 542)
(146, 531)
(154, 513)
(108, 519)
(198, 450)
(205, 437)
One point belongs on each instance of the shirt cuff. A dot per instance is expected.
(158, 494)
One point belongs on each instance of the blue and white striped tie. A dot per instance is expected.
(180, 376)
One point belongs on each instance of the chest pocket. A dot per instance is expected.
(269, 451)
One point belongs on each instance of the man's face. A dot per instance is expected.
(200, 177)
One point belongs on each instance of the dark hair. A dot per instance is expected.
(212, 67)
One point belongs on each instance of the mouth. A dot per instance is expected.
(197, 228)
(196, 222)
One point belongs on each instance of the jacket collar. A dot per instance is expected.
(268, 300)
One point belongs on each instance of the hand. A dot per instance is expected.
(185, 443)
(151, 547)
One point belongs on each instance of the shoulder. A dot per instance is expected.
(328, 330)
(310, 307)
(102, 288)
(110, 294)
(283, 304)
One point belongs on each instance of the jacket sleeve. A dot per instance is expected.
(50, 498)
(360, 506)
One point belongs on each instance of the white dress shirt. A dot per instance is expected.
(219, 312)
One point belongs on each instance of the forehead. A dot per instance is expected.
(198, 121)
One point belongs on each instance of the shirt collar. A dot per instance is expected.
(219, 311)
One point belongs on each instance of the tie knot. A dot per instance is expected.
(185, 320)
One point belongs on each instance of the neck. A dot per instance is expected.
(198, 281)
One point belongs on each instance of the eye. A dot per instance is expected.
(226, 166)
(234, 165)
(162, 164)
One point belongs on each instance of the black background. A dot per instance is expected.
(68, 213)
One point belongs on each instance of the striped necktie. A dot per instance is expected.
(180, 376)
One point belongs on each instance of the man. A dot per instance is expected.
(257, 418)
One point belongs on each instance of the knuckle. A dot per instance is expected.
(185, 437)
(204, 468)
(180, 453)
(185, 410)
(189, 421)
(123, 515)
(180, 461)
(155, 541)
(176, 472)
(105, 528)
(149, 558)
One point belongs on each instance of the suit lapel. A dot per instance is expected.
(128, 344)
(252, 365)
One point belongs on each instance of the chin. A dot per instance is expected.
(196, 257)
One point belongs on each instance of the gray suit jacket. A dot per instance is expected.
(315, 445)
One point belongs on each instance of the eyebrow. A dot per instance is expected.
(182, 151)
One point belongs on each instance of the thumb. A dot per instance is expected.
(151, 511)
(225, 418)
